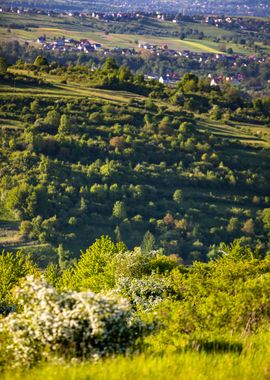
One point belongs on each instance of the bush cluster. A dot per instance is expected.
(67, 324)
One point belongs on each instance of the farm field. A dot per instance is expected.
(74, 24)
(117, 40)
(91, 29)
(66, 91)
(244, 132)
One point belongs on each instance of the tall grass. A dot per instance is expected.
(252, 364)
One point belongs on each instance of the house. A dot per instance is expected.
(97, 46)
(213, 83)
(168, 79)
(41, 40)
(88, 48)
(235, 81)
(161, 80)
(147, 46)
(150, 77)
(59, 43)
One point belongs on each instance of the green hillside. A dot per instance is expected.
(79, 159)
(134, 224)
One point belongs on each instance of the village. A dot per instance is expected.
(234, 64)
(63, 44)
(199, 7)
(211, 18)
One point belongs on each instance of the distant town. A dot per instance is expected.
(205, 7)
(200, 60)
(63, 44)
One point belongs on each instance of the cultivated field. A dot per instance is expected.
(29, 28)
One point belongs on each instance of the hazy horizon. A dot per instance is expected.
(232, 7)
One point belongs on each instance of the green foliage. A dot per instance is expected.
(13, 267)
(3, 65)
(253, 363)
(189, 83)
(148, 242)
(266, 218)
(178, 196)
(216, 112)
(35, 106)
(52, 119)
(65, 126)
(110, 64)
(63, 257)
(206, 307)
(119, 210)
(76, 167)
(226, 297)
(40, 61)
(28, 201)
(90, 271)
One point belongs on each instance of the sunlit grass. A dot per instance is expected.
(187, 366)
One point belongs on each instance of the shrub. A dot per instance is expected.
(144, 293)
(69, 325)
(13, 267)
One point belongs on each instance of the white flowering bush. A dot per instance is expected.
(70, 324)
(144, 293)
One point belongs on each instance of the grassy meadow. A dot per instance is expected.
(252, 363)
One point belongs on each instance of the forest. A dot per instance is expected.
(134, 225)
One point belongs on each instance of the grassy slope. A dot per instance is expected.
(9, 227)
(251, 136)
(247, 134)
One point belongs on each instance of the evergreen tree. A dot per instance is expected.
(148, 242)
(41, 61)
(52, 119)
(65, 125)
(117, 232)
(119, 210)
(178, 196)
(3, 65)
(35, 106)
(63, 257)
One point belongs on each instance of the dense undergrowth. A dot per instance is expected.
(113, 302)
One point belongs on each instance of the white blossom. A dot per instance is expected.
(70, 324)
